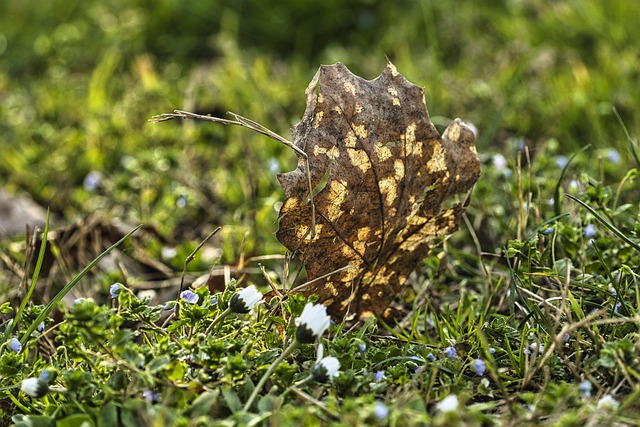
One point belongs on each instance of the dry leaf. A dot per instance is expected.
(382, 174)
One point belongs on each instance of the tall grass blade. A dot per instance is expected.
(52, 304)
(34, 277)
(632, 147)
(556, 193)
(606, 223)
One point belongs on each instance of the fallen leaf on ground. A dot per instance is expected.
(382, 177)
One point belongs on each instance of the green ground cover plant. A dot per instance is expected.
(528, 315)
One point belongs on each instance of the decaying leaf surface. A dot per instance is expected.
(388, 176)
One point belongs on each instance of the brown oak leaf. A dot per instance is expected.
(383, 175)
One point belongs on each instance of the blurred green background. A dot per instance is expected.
(80, 79)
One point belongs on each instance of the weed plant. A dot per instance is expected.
(527, 316)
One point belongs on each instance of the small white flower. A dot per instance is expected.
(34, 387)
(168, 252)
(448, 404)
(312, 323)
(607, 402)
(326, 368)
(245, 299)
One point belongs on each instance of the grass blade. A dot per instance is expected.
(34, 277)
(606, 223)
(556, 193)
(43, 315)
(632, 147)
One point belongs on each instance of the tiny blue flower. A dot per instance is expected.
(552, 202)
(415, 365)
(450, 352)
(182, 201)
(430, 322)
(561, 161)
(273, 165)
(15, 345)
(45, 375)
(40, 327)
(114, 290)
(548, 230)
(585, 388)
(379, 376)
(589, 231)
(189, 296)
(479, 366)
(214, 301)
(78, 300)
(91, 181)
(613, 155)
(499, 161)
(616, 308)
(150, 396)
(380, 411)
(431, 357)
(566, 337)
(492, 350)
(362, 347)
(534, 345)
(526, 351)
(574, 184)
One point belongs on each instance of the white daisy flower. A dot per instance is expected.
(312, 323)
(245, 299)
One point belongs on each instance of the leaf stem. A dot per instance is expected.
(267, 374)
(218, 319)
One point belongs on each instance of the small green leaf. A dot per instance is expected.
(76, 420)
(204, 404)
(158, 363)
(232, 399)
(108, 415)
(22, 420)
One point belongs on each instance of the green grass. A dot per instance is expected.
(540, 283)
